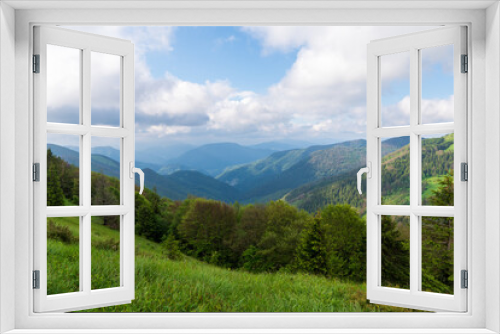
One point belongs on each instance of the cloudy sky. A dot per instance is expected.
(254, 84)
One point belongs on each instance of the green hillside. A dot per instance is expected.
(437, 161)
(188, 285)
(207, 255)
(275, 176)
(214, 158)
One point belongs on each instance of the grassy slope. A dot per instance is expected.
(192, 286)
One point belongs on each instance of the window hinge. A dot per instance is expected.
(465, 64)
(464, 172)
(36, 63)
(36, 172)
(465, 279)
(36, 279)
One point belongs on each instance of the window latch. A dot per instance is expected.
(368, 171)
(139, 171)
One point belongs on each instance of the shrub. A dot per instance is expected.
(171, 248)
(60, 232)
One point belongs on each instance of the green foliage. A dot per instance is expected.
(60, 232)
(250, 228)
(208, 229)
(192, 286)
(311, 252)
(395, 256)
(55, 196)
(438, 243)
(345, 241)
(171, 248)
(437, 160)
(284, 225)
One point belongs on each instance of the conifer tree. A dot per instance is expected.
(311, 253)
(55, 196)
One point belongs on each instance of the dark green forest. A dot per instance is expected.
(326, 239)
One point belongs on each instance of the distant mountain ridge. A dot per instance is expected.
(341, 189)
(274, 176)
(212, 159)
(176, 186)
(266, 179)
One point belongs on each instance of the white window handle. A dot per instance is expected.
(139, 171)
(368, 171)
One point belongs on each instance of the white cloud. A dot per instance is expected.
(321, 95)
(163, 130)
(438, 110)
(433, 111)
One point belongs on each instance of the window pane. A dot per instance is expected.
(437, 254)
(63, 174)
(63, 84)
(105, 252)
(395, 251)
(105, 187)
(105, 89)
(437, 84)
(437, 170)
(63, 255)
(395, 171)
(395, 90)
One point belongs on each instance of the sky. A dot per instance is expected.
(248, 85)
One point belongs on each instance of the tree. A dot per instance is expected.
(208, 228)
(284, 225)
(437, 241)
(55, 196)
(345, 242)
(395, 256)
(171, 248)
(250, 227)
(311, 251)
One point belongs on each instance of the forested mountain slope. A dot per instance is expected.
(437, 161)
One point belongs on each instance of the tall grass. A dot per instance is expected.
(188, 285)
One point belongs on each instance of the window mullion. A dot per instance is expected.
(414, 172)
(85, 174)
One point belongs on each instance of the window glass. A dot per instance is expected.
(63, 255)
(105, 181)
(437, 254)
(438, 170)
(63, 84)
(437, 102)
(105, 250)
(395, 89)
(395, 251)
(395, 171)
(105, 89)
(63, 173)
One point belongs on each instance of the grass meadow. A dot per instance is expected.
(188, 285)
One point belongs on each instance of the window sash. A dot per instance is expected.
(414, 298)
(86, 297)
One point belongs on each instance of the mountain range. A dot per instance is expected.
(268, 175)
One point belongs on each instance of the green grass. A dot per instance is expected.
(188, 285)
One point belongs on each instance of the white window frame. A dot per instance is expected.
(86, 44)
(484, 102)
(415, 210)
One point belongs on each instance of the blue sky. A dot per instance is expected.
(249, 85)
(221, 53)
